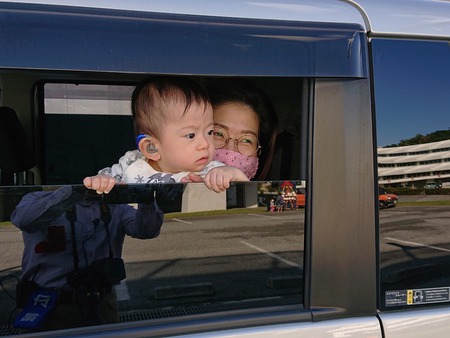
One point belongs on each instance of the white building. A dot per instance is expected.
(414, 165)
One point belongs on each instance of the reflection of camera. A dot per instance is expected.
(108, 271)
(104, 272)
(91, 283)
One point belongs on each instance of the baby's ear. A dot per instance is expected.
(148, 148)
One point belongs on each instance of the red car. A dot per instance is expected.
(301, 198)
(386, 200)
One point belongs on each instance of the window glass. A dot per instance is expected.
(215, 252)
(87, 127)
(413, 129)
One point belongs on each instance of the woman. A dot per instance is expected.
(245, 127)
(241, 109)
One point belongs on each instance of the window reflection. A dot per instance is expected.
(411, 82)
(202, 261)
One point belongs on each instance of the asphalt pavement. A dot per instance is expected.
(423, 198)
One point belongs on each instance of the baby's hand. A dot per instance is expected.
(218, 179)
(101, 183)
(192, 178)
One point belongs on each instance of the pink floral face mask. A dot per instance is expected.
(249, 165)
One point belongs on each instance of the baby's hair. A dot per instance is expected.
(153, 99)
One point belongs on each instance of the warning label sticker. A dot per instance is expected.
(417, 296)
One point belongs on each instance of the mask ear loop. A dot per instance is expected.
(258, 151)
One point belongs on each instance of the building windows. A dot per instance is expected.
(431, 159)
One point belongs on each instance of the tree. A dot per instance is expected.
(439, 135)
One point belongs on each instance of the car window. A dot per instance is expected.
(411, 86)
(215, 252)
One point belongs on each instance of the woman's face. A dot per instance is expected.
(237, 120)
(236, 128)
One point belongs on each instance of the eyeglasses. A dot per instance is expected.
(247, 144)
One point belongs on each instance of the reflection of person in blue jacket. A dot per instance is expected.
(72, 256)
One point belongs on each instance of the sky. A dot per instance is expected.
(412, 88)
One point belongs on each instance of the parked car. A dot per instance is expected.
(385, 199)
(431, 186)
(301, 198)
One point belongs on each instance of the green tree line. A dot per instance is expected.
(435, 136)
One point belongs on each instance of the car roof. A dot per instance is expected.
(409, 18)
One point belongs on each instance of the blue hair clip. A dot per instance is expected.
(139, 138)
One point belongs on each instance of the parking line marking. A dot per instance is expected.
(394, 212)
(415, 244)
(268, 253)
(181, 221)
(266, 216)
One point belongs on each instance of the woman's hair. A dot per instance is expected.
(153, 99)
(242, 91)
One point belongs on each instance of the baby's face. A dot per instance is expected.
(186, 142)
